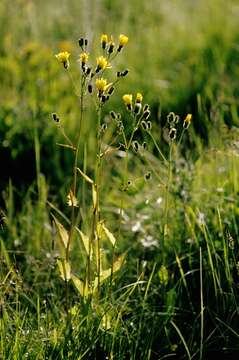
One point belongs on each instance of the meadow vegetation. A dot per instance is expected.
(119, 179)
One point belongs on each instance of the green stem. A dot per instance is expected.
(166, 207)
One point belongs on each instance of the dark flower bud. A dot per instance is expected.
(118, 74)
(137, 108)
(135, 146)
(86, 42)
(111, 48)
(90, 88)
(125, 72)
(118, 116)
(171, 117)
(149, 125)
(111, 90)
(113, 114)
(172, 133)
(146, 114)
(103, 127)
(88, 70)
(144, 145)
(146, 107)
(81, 42)
(55, 117)
(144, 125)
(147, 176)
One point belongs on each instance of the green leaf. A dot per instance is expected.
(65, 269)
(63, 233)
(85, 239)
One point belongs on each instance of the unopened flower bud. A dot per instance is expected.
(81, 42)
(146, 114)
(90, 88)
(135, 146)
(172, 133)
(113, 114)
(144, 125)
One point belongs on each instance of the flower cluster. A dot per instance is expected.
(173, 120)
(92, 75)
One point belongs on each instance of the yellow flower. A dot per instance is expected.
(84, 58)
(128, 98)
(122, 41)
(139, 98)
(187, 121)
(101, 84)
(104, 40)
(63, 57)
(102, 63)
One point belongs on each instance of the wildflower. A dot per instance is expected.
(102, 63)
(187, 121)
(104, 40)
(63, 57)
(128, 98)
(101, 85)
(84, 58)
(122, 41)
(139, 98)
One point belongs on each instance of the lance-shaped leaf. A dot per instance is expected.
(105, 274)
(108, 234)
(65, 269)
(81, 287)
(94, 196)
(89, 180)
(63, 233)
(85, 239)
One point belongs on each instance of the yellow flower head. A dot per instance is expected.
(187, 121)
(101, 84)
(123, 40)
(139, 98)
(104, 40)
(63, 57)
(84, 58)
(128, 98)
(102, 63)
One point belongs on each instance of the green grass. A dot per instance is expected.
(176, 294)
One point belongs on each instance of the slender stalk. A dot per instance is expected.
(166, 207)
(75, 168)
(202, 307)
